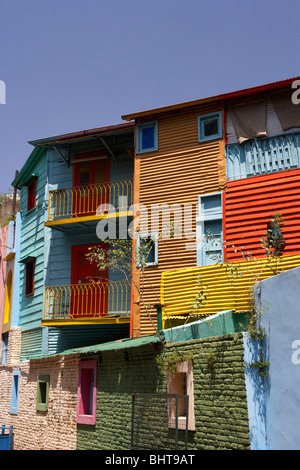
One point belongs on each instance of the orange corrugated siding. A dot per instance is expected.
(249, 205)
(177, 173)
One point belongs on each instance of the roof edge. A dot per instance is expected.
(210, 99)
(82, 134)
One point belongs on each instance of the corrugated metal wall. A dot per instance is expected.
(222, 290)
(178, 172)
(31, 343)
(249, 205)
(69, 337)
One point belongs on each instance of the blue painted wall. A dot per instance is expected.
(274, 402)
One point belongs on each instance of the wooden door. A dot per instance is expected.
(90, 184)
(89, 290)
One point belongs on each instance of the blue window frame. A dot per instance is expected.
(209, 229)
(147, 137)
(4, 350)
(15, 389)
(210, 127)
(147, 244)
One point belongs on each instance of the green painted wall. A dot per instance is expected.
(219, 397)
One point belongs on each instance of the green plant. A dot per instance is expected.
(211, 360)
(167, 363)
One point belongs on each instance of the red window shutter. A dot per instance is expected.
(31, 203)
(30, 264)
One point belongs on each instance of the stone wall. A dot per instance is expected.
(220, 402)
(54, 429)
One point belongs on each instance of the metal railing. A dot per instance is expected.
(159, 421)
(82, 201)
(263, 156)
(88, 300)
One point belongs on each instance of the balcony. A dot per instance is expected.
(263, 156)
(88, 303)
(87, 203)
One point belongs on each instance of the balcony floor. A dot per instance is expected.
(107, 320)
(72, 223)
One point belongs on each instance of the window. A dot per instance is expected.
(15, 388)
(31, 194)
(210, 127)
(147, 137)
(209, 229)
(181, 386)
(29, 272)
(147, 249)
(4, 349)
(87, 391)
(42, 397)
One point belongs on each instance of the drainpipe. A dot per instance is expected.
(159, 316)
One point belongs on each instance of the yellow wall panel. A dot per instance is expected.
(223, 291)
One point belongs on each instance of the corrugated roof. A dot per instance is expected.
(85, 134)
(127, 343)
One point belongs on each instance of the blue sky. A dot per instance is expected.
(70, 65)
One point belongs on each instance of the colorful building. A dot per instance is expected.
(69, 184)
(93, 358)
(220, 168)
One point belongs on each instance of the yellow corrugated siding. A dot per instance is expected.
(177, 173)
(223, 292)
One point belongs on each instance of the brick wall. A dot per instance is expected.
(219, 398)
(14, 345)
(221, 417)
(37, 430)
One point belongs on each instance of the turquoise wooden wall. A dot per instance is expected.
(32, 243)
(53, 260)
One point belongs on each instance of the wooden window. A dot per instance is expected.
(209, 229)
(210, 127)
(147, 249)
(180, 386)
(42, 397)
(147, 137)
(87, 390)
(4, 350)
(31, 194)
(15, 389)
(29, 273)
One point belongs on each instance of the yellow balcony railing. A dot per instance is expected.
(207, 290)
(87, 200)
(87, 302)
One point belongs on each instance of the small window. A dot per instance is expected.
(147, 137)
(147, 249)
(29, 272)
(15, 388)
(87, 391)
(31, 195)
(42, 397)
(181, 390)
(210, 127)
(4, 349)
(209, 229)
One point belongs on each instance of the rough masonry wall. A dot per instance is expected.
(54, 429)
(220, 402)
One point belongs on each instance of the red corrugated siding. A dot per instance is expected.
(249, 205)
